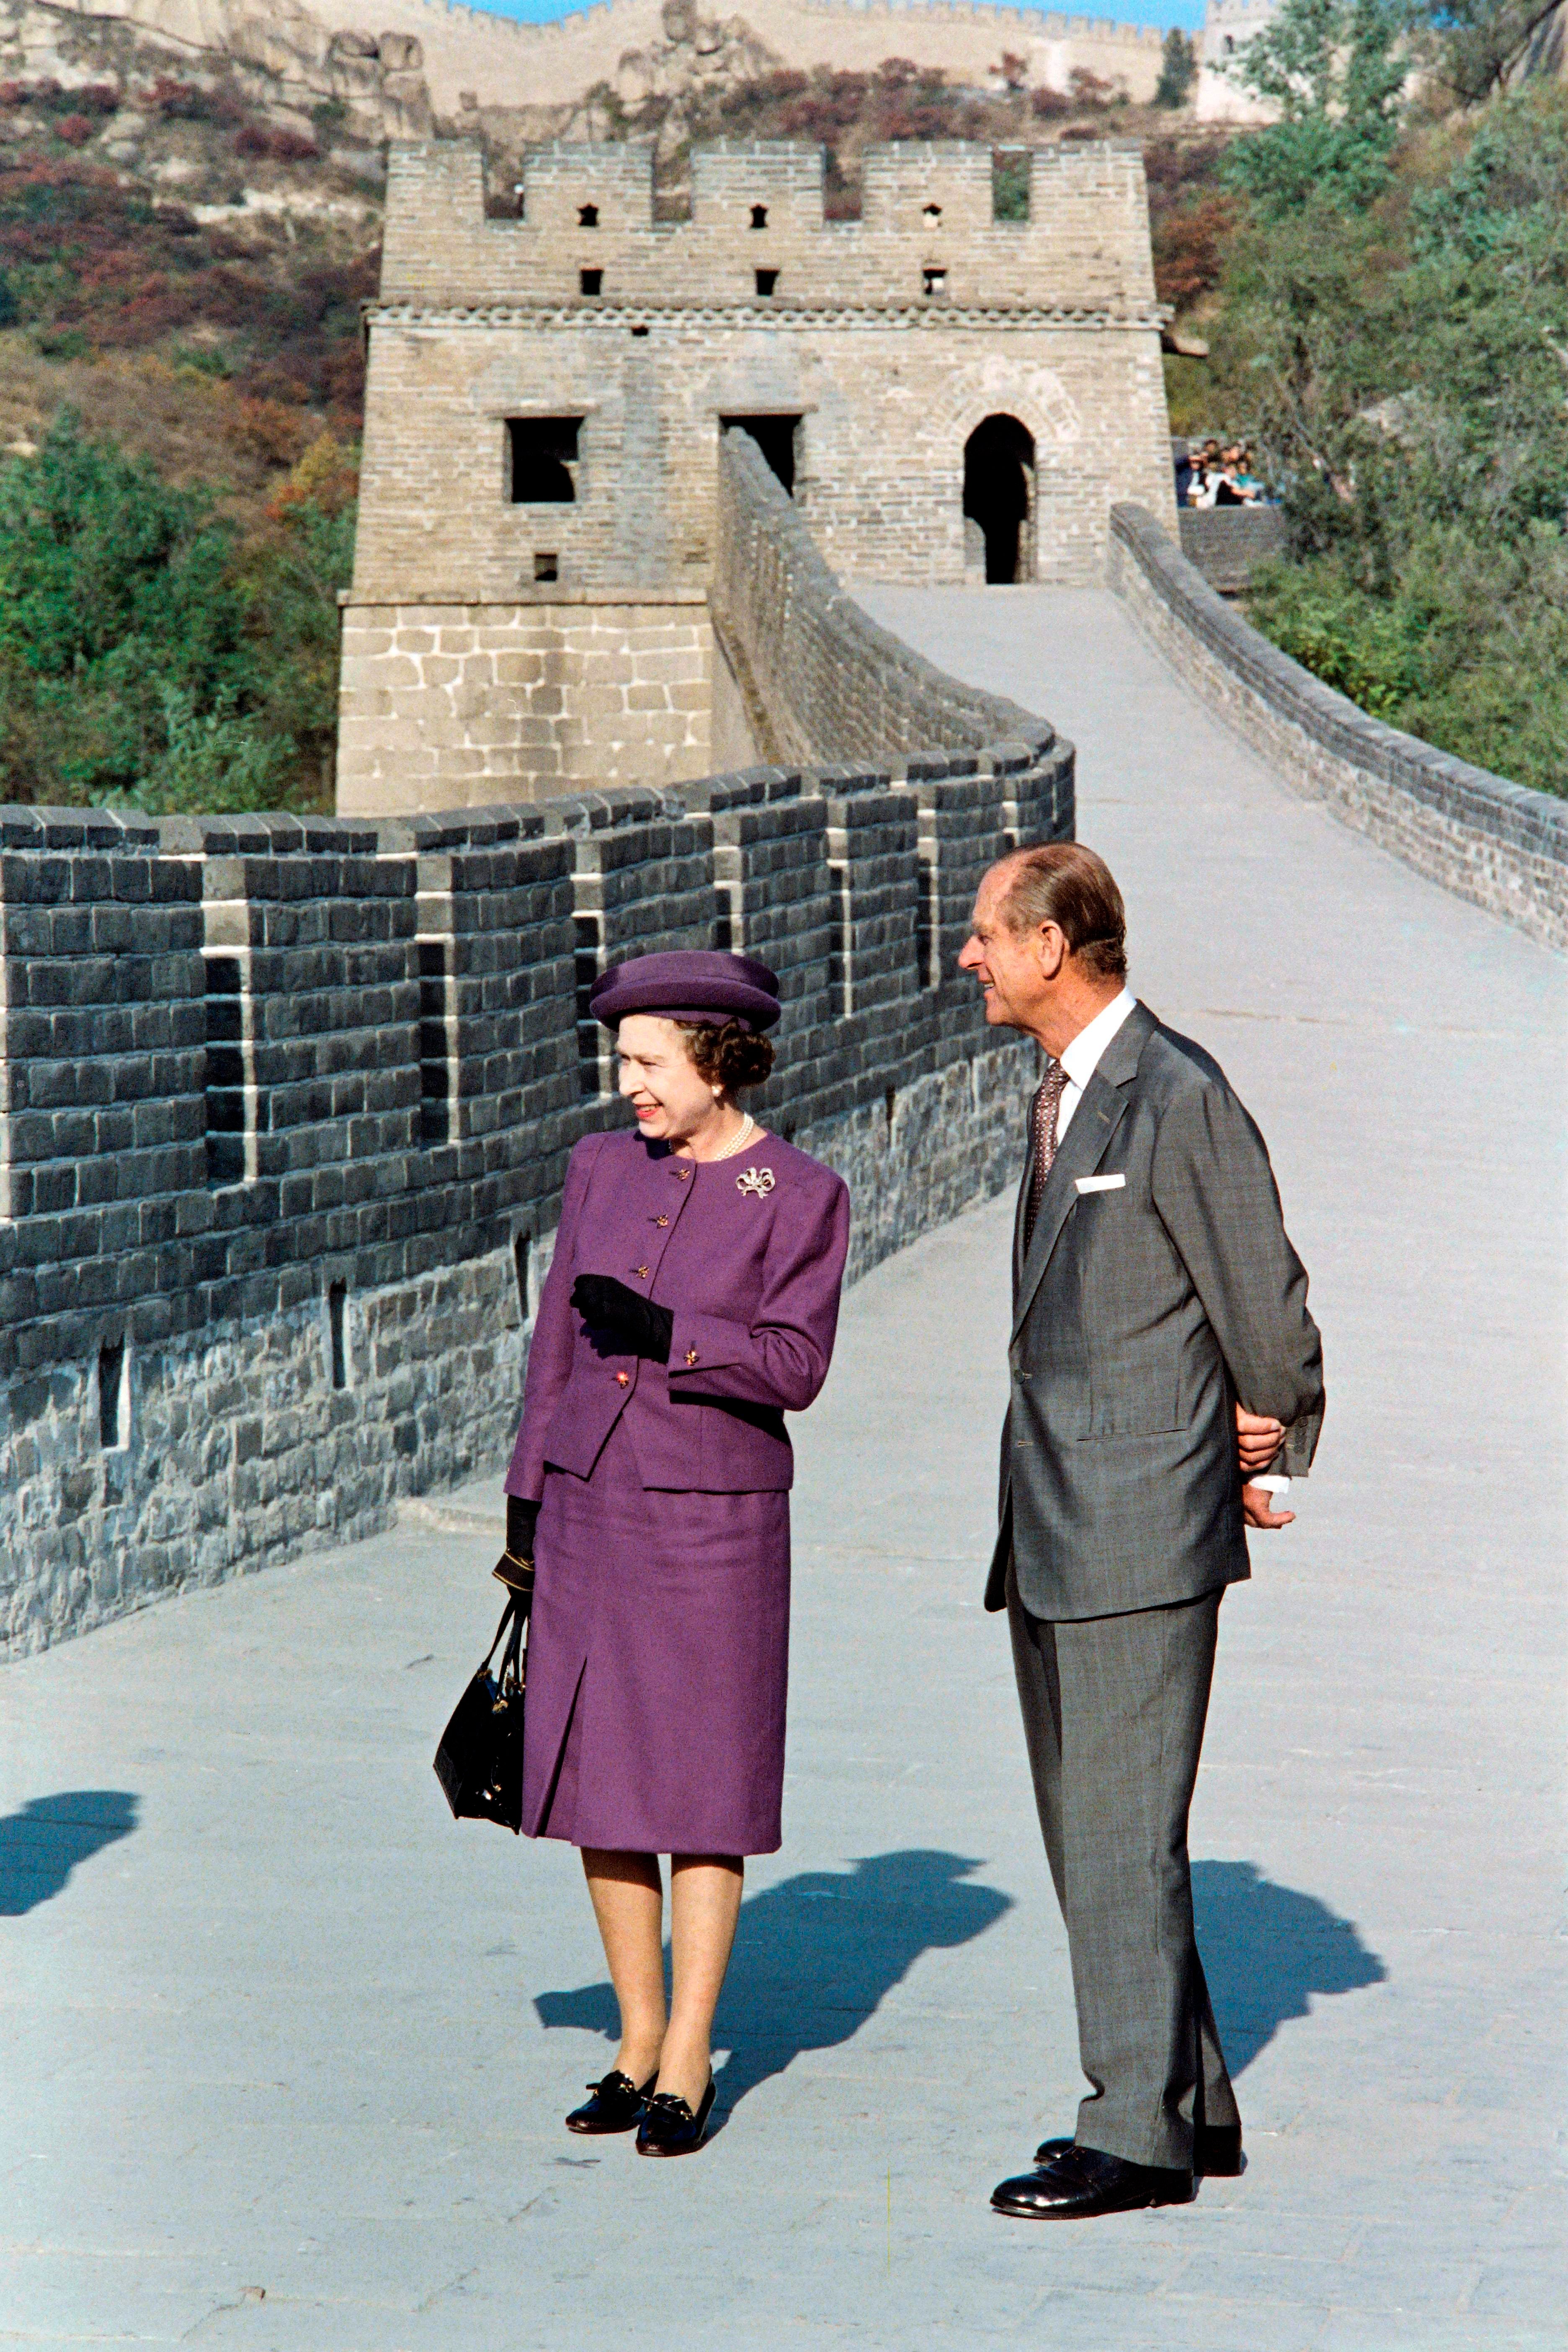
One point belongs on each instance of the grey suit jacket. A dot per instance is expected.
(1143, 1313)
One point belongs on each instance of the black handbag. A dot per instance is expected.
(480, 1761)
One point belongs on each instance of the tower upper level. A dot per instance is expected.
(585, 236)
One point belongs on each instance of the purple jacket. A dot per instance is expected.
(748, 1254)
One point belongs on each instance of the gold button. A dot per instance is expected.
(623, 1379)
(640, 1270)
(691, 1355)
(661, 1220)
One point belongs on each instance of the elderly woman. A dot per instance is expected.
(691, 1302)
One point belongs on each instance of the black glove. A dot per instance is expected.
(637, 1325)
(515, 1566)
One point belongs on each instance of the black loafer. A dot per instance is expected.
(616, 2106)
(1216, 2151)
(1082, 2182)
(669, 2128)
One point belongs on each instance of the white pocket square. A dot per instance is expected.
(1099, 1184)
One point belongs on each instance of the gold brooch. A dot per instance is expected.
(757, 1182)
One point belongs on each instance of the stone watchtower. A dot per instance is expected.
(946, 395)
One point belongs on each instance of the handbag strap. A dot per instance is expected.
(507, 1616)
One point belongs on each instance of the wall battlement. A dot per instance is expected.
(928, 212)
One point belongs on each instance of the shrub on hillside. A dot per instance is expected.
(275, 143)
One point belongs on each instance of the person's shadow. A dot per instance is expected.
(42, 1844)
(1266, 1951)
(814, 1957)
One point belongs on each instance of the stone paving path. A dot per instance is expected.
(286, 2050)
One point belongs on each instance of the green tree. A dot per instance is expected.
(1336, 71)
(149, 658)
(1178, 69)
(1406, 369)
(1473, 44)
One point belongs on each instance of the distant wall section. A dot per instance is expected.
(1496, 843)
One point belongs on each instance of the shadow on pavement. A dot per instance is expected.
(814, 1957)
(42, 1844)
(1265, 1950)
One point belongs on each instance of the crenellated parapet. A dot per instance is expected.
(928, 234)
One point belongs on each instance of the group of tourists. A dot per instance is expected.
(1166, 1385)
(1220, 475)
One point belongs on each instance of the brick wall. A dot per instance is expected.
(1496, 843)
(285, 1105)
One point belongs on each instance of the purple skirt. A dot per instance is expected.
(658, 1658)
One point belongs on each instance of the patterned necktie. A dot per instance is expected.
(1043, 1128)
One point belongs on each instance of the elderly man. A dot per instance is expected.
(1162, 1353)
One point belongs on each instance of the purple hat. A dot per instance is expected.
(689, 984)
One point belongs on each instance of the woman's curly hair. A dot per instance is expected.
(730, 1057)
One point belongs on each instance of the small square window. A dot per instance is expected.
(590, 281)
(639, 332)
(767, 279)
(936, 281)
(933, 213)
(587, 216)
(546, 564)
(759, 215)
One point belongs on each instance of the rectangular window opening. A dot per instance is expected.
(759, 215)
(541, 461)
(522, 1267)
(546, 564)
(113, 1397)
(1010, 184)
(935, 282)
(590, 281)
(767, 282)
(588, 962)
(926, 974)
(337, 1332)
(230, 1101)
(776, 437)
(840, 959)
(723, 919)
(437, 1062)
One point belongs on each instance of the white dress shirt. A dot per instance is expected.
(1081, 1060)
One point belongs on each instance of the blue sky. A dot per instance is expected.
(1189, 13)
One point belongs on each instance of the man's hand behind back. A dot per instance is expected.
(1257, 1440)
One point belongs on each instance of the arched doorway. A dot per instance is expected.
(999, 496)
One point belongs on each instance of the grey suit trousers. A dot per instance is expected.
(1113, 1715)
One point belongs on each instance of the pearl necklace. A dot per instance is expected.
(748, 1128)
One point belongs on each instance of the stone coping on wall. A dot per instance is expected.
(935, 312)
(1500, 845)
(438, 607)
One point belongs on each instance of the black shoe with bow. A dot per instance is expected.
(616, 2106)
(1216, 2151)
(1083, 2181)
(669, 2128)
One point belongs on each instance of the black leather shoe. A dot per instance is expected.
(616, 2106)
(1216, 2151)
(669, 2128)
(1081, 2182)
